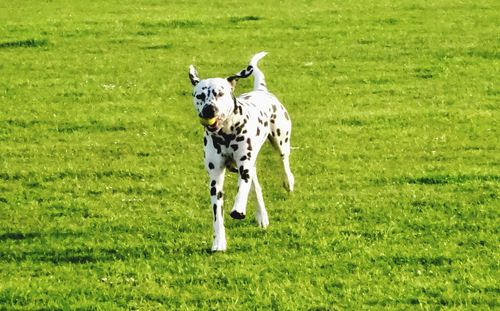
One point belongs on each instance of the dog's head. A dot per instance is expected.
(213, 98)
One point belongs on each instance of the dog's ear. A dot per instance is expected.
(193, 75)
(245, 73)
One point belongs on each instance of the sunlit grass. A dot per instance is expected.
(104, 202)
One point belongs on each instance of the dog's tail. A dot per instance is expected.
(259, 81)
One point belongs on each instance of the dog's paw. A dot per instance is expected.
(262, 220)
(288, 186)
(219, 245)
(237, 215)
(289, 182)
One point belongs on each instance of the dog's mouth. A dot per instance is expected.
(211, 124)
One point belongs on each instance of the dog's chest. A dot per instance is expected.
(244, 132)
(238, 139)
(222, 142)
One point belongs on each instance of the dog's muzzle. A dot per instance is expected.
(209, 118)
(211, 124)
(208, 112)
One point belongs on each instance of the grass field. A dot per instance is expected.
(104, 200)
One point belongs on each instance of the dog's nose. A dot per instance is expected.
(208, 111)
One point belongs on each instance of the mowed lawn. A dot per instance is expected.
(104, 200)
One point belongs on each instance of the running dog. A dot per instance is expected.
(235, 130)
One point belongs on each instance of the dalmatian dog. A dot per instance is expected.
(235, 130)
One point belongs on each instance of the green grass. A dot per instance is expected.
(104, 202)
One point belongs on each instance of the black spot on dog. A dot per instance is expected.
(211, 165)
(240, 138)
(213, 191)
(237, 108)
(217, 146)
(239, 127)
(287, 116)
(204, 141)
(216, 142)
(234, 146)
(227, 138)
(258, 131)
(286, 140)
(237, 215)
(222, 140)
(259, 120)
(243, 158)
(220, 194)
(235, 102)
(213, 183)
(265, 124)
(244, 173)
(201, 96)
(274, 108)
(247, 97)
(215, 211)
(278, 132)
(249, 142)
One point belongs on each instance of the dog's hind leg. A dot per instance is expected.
(289, 180)
(281, 131)
(284, 150)
(261, 214)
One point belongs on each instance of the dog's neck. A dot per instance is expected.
(234, 120)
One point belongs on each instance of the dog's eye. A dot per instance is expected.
(220, 94)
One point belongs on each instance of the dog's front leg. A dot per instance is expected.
(245, 169)
(216, 170)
